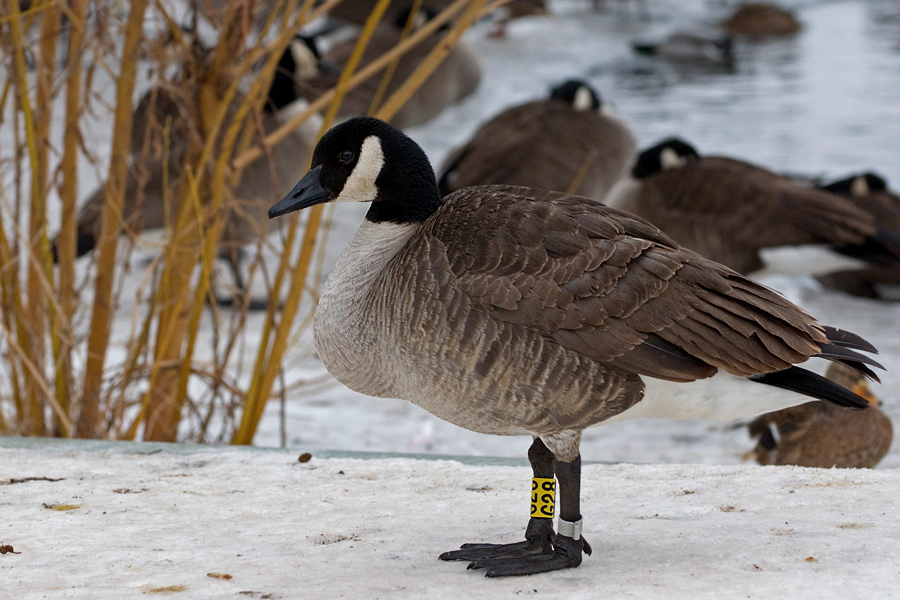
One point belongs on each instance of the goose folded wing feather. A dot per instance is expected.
(612, 287)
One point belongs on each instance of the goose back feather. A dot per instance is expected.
(730, 210)
(546, 144)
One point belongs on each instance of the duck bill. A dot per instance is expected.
(308, 192)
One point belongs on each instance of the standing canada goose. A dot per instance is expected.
(737, 214)
(819, 434)
(454, 79)
(869, 192)
(158, 160)
(761, 19)
(515, 311)
(563, 143)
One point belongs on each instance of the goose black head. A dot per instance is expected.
(668, 154)
(419, 19)
(366, 160)
(577, 93)
(858, 186)
(300, 60)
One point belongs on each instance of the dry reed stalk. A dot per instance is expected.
(31, 346)
(430, 63)
(90, 420)
(269, 358)
(269, 362)
(370, 69)
(392, 66)
(51, 24)
(66, 238)
(168, 392)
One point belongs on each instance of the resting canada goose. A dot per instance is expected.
(760, 19)
(516, 311)
(736, 213)
(697, 44)
(145, 206)
(563, 143)
(819, 434)
(869, 192)
(454, 79)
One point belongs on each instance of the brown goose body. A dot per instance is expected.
(819, 434)
(870, 193)
(548, 145)
(454, 79)
(511, 310)
(761, 19)
(731, 211)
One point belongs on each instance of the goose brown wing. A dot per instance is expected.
(612, 287)
(727, 210)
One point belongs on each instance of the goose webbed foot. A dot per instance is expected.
(542, 551)
(565, 554)
(538, 540)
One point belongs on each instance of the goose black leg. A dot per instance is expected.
(538, 534)
(542, 550)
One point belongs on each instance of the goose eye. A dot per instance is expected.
(345, 157)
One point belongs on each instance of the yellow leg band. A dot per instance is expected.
(543, 498)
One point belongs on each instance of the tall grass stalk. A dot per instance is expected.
(69, 364)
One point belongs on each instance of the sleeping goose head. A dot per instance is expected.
(858, 186)
(671, 153)
(517, 311)
(367, 160)
(577, 93)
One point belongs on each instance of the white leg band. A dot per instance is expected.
(569, 529)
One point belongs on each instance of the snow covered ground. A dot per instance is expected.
(137, 520)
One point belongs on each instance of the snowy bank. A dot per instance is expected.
(117, 520)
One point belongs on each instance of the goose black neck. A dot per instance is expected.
(407, 187)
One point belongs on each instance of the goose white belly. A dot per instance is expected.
(722, 397)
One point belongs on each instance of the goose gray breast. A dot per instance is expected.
(564, 143)
(511, 310)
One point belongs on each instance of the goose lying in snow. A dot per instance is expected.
(517, 311)
(454, 79)
(158, 164)
(819, 434)
(869, 192)
(746, 217)
(562, 143)
(760, 19)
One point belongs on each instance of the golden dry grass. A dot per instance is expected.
(67, 369)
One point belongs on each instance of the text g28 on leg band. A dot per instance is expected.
(543, 497)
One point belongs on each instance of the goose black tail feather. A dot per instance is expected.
(811, 384)
(839, 337)
(851, 358)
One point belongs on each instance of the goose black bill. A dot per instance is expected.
(308, 192)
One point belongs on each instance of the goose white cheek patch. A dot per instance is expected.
(583, 100)
(304, 59)
(669, 159)
(360, 186)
